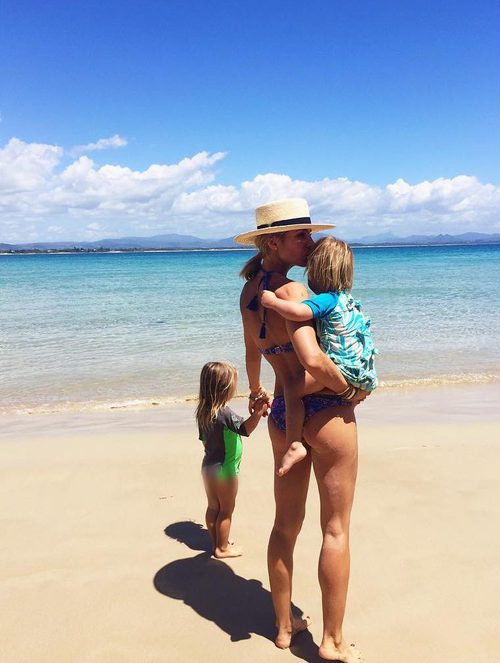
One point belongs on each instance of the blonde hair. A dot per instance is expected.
(330, 266)
(252, 266)
(217, 386)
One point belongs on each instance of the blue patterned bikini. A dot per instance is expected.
(313, 403)
(277, 349)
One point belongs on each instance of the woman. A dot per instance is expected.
(283, 239)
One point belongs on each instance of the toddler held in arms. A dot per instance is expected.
(342, 329)
(220, 430)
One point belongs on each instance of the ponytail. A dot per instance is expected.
(251, 267)
(254, 265)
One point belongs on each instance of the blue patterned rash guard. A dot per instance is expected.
(222, 443)
(344, 334)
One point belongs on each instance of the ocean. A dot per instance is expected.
(102, 330)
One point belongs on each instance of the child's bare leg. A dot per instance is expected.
(296, 451)
(295, 421)
(212, 508)
(226, 492)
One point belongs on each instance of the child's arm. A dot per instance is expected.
(293, 311)
(260, 410)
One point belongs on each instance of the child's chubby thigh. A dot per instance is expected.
(220, 482)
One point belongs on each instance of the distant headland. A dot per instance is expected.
(174, 242)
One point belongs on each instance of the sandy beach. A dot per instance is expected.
(103, 555)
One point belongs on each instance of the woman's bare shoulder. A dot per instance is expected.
(247, 291)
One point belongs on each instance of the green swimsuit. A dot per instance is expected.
(223, 446)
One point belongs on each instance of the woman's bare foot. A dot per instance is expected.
(295, 453)
(344, 652)
(230, 551)
(285, 636)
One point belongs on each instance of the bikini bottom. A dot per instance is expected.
(313, 403)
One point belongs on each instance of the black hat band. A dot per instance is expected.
(287, 222)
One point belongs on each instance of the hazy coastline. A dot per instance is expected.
(356, 245)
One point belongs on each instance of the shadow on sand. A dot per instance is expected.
(237, 605)
(191, 534)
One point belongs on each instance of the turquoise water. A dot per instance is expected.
(114, 328)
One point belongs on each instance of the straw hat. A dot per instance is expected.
(280, 216)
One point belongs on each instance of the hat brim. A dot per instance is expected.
(247, 238)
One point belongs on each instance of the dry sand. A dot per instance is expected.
(103, 558)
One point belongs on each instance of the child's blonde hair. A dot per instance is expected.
(217, 386)
(330, 266)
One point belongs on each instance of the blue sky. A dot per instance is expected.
(370, 92)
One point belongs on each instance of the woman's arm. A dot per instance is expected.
(313, 359)
(319, 365)
(253, 360)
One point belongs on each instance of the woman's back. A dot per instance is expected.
(275, 346)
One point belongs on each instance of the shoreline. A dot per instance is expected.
(432, 404)
(168, 402)
(354, 245)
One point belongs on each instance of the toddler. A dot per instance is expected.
(220, 430)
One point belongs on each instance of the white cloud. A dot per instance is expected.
(102, 144)
(40, 198)
(27, 166)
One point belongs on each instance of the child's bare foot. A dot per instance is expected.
(230, 551)
(285, 636)
(295, 453)
(344, 652)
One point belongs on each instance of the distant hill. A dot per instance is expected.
(171, 241)
(389, 239)
(174, 241)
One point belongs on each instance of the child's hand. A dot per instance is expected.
(268, 298)
(261, 407)
(257, 398)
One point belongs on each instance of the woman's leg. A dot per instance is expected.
(290, 494)
(212, 508)
(226, 493)
(333, 441)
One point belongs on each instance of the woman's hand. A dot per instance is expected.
(359, 397)
(257, 398)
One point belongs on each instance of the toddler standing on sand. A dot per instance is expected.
(343, 331)
(220, 430)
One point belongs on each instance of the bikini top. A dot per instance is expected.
(253, 305)
(277, 349)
